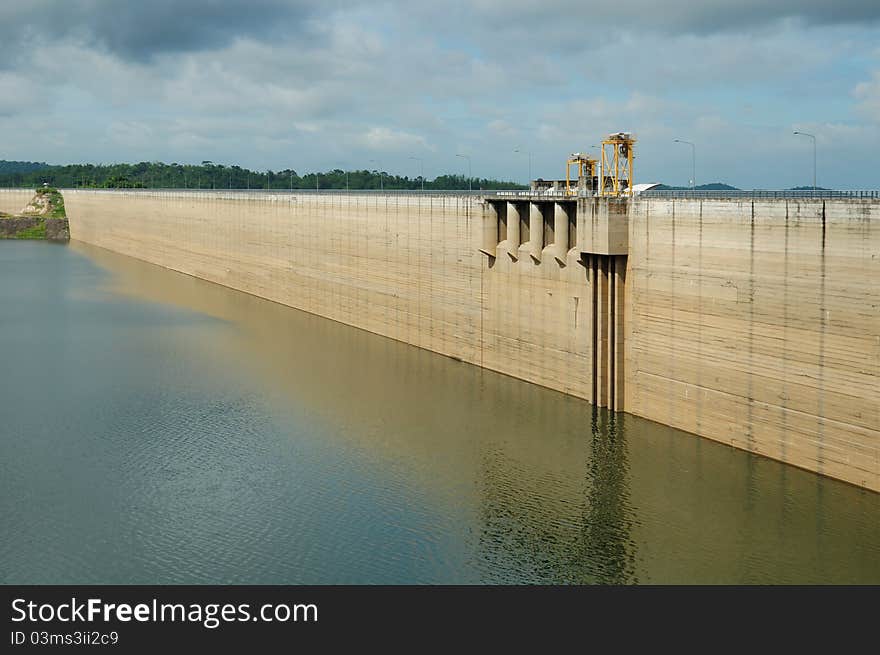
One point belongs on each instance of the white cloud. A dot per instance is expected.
(385, 139)
(867, 95)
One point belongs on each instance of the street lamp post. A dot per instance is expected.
(470, 176)
(813, 137)
(381, 185)
(529, 153)
(693, 162)
(421, 171)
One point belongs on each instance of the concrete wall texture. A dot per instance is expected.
(13, 201)
(758, 324)
(752, 323)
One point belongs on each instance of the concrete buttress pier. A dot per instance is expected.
(577, 250)
(752, 322)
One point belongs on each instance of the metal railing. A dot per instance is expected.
(339, 192)
(791, 194)
(548, 194)
(561, 195)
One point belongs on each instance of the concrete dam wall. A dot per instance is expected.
(754, 323)
(13, 200)
(758, 324)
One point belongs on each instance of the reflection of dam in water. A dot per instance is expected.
(233, 439)
(554, 543)
(749, 320)
(609, 547)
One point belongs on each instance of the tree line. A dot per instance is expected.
(11, 167)
(208, 175)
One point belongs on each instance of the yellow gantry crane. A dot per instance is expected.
(616, 168)
(611, 175)
(586, 171)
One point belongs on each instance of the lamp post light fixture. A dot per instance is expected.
(693, 162)
(421, 171)
(813, 137)
(529, 153)
(470, 176)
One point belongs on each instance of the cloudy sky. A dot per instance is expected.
(338, 83)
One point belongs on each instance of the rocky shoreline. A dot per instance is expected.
(34, 227)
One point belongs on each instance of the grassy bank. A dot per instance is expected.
(38, 231)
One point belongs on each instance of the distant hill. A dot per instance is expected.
(713, 186)
(9, 167)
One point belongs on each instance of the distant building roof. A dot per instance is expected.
(638, 188)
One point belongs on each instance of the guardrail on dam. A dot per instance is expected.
(751, 321)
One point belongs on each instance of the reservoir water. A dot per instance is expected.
(155, 428)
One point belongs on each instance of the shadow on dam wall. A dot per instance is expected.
(543, 482)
